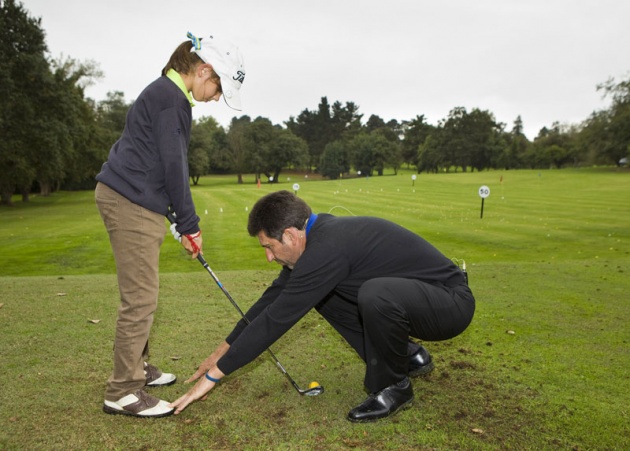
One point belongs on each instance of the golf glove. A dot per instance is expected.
(176, 234)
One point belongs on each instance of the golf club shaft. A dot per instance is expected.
(204, 263)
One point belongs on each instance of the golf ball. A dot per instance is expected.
(313, 384)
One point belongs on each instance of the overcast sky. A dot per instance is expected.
(540, 59)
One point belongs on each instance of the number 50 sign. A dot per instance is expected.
(484, 192)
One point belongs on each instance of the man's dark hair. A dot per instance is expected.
(276, 212)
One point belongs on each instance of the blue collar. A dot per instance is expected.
(310, 223)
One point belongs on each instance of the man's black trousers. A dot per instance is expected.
(391, 310)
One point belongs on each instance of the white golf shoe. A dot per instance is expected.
(156, 378)
(139, 404)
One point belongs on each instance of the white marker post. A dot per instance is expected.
(484, 192)
(413, 179)
(296, 188)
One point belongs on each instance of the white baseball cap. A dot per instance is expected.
(227, 61)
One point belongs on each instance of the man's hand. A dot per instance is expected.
(203, 385)
(205, 366)
(210, 362)
(199, 391)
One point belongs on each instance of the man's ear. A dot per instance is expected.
(291, 234)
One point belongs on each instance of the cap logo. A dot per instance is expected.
(240, 76)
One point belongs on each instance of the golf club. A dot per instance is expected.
(311, 391)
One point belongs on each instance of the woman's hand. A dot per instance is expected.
(193, 244)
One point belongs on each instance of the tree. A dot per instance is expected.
(346, 121)
(315, 128)
(485, 140)
(238, 146)
(22, 66)
(318, 128)
(372, 151)
(374, 122)
(596, 140)
(415, 132)
(90, 151)
(48, 126)
(390, 131)
(607, 132)
(198, 149)
(555, 147)
(260, 138)
(219, 153)
(465, 140)
(208, 150)
(430, 155)
(513, 154)
(335, 160)
(286, 150)
(111, 115)
(272, 148)
(67, 125)
(454, 143)
(100, 125)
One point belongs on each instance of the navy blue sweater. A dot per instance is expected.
(149, 163)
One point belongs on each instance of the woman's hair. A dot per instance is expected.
(184, 61)
(276, 212)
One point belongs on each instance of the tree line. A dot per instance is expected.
(54, 137)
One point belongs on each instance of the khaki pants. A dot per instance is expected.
(136, 235)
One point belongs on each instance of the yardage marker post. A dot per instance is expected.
(484, 192)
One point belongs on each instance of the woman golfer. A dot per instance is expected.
(145, 174)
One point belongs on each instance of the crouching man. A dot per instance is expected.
(377, 283)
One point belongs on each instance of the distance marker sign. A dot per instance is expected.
(484, 192)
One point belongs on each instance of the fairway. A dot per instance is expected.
(544, 364)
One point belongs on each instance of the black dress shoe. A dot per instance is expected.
(384, 403)
(420, 363)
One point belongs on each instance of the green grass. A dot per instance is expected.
(548, 261)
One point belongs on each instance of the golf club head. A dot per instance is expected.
(314, 391)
